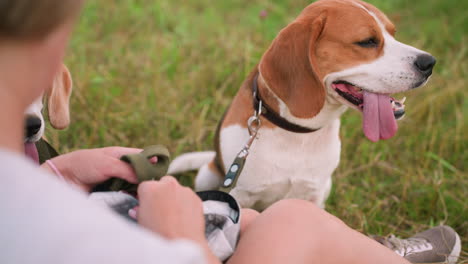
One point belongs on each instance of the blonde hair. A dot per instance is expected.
(30, 19)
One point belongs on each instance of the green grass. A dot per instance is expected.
(163, 71)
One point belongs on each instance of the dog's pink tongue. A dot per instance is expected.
(31, 151)
(379, 121)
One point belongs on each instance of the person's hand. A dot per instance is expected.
(87, 168)
(173, 211)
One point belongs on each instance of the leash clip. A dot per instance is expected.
(254, 122)
(253, 125)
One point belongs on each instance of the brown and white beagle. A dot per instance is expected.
(336, 54)
(58, 100)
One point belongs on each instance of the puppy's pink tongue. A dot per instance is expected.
(378, 121)
(31, 151)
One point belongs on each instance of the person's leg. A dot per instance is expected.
(296, 231)
(248, 216)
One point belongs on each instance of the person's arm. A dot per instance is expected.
(43, 221)
(166, 207)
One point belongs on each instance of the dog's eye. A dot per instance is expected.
(368, 43)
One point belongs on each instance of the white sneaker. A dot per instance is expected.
(437, 245)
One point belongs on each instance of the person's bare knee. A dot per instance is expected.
(292, 223)
(248, 215)
(303, 209)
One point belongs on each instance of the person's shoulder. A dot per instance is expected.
(10, 160)
(19, 174)
(14, 163)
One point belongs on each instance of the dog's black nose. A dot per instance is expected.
(424, 63)
(33, 125)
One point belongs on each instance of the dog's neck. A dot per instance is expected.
(330, 111)
(271, 115)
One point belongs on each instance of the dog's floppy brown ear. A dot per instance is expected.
(58, 99)
(289, 67)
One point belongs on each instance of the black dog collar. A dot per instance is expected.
(273, 117)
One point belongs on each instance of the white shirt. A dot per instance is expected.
(43, 220)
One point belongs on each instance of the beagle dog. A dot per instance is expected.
(58, 100)
(337, 54)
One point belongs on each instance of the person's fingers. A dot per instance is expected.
(119, 169)
(118, 152)
(147, 215)
(169, 180)
(147, 188)
(168, 185)
(153, 160)
(133, 213)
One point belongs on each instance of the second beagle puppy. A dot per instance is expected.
(57, 99)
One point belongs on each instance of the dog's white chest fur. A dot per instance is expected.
(283, 164)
